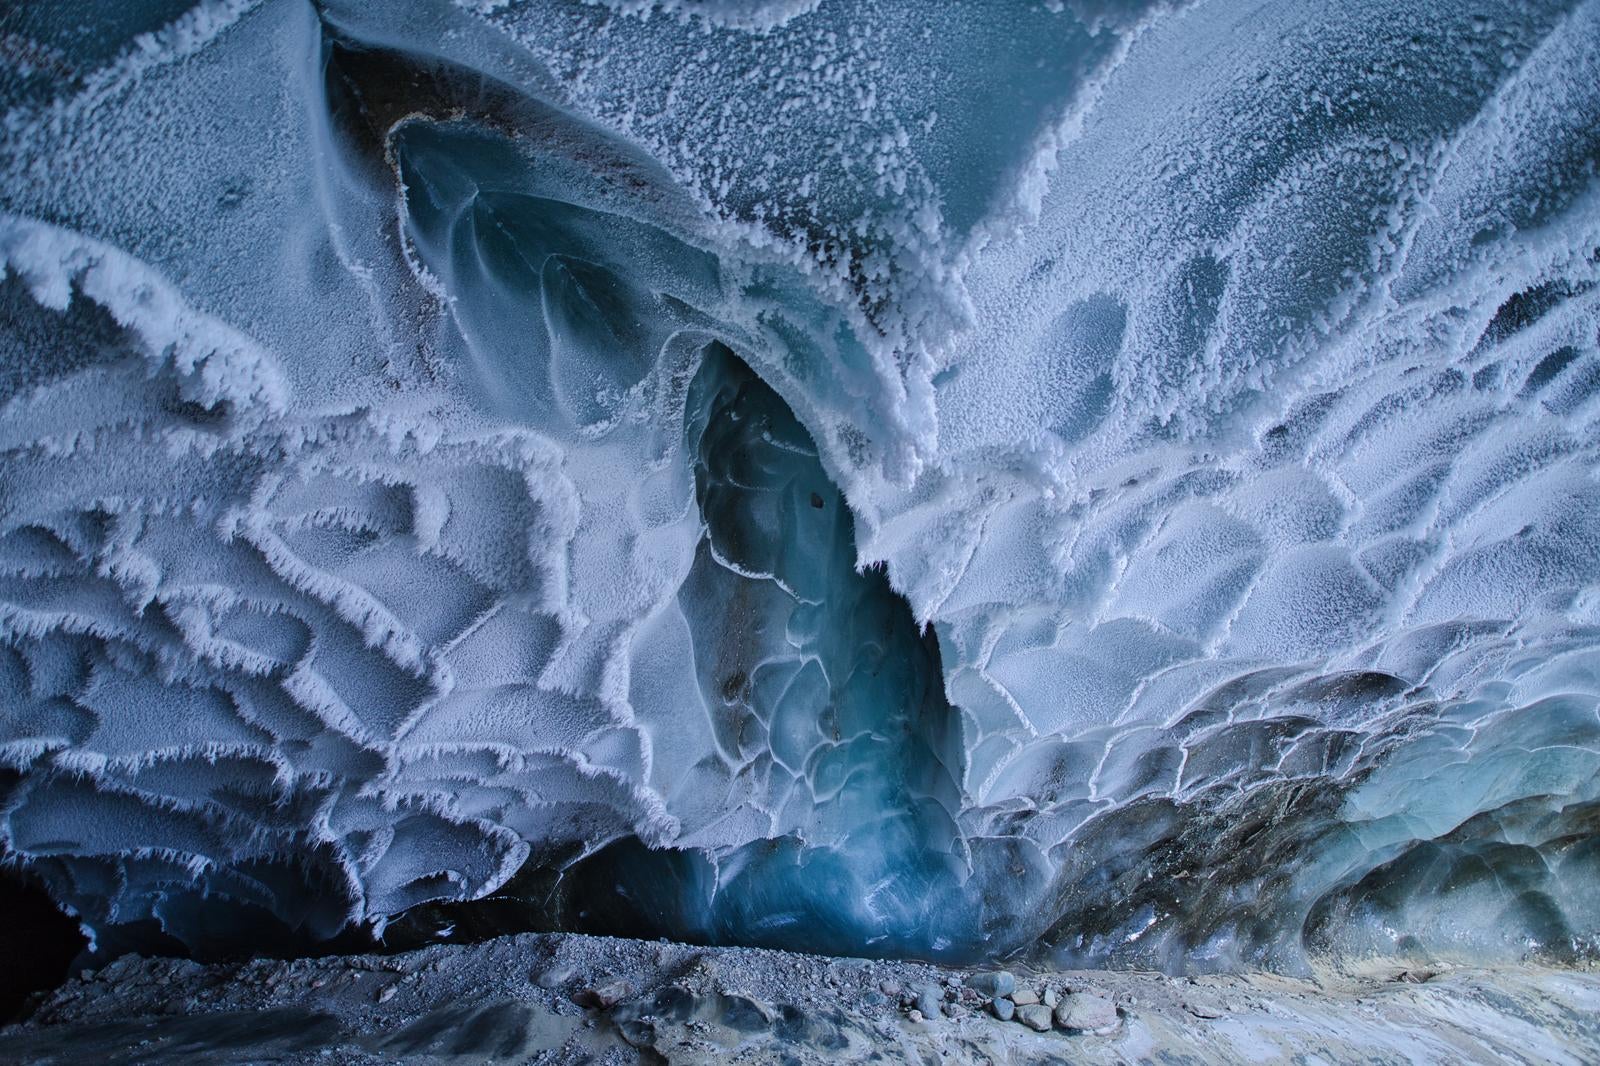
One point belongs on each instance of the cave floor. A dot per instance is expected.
(567, 998)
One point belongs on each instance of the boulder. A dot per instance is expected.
(993, 983)
(1083, 1012)
(603, 997)
(1035, 1016)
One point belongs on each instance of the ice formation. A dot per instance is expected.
(1117, 481)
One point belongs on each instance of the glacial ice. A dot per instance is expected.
(1117, 481)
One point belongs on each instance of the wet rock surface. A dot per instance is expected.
(578, 999)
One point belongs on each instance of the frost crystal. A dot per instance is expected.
(1116, 481)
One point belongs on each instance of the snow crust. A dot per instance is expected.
(1217, 381)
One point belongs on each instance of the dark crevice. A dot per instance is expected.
(828, 705)
(39, 941)
(1523, 309)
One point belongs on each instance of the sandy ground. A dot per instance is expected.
(573, 999)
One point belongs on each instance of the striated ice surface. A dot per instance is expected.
(1117, 481)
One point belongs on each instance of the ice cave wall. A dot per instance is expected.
(1216, 380)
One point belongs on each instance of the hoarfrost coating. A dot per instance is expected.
(1114, 481)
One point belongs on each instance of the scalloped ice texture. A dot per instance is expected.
(413, 422)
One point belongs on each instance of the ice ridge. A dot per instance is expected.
(1117, 482)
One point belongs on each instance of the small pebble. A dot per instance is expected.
(915, 1015)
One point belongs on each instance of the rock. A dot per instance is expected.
(1202, 1010)
(603, 997)
(915, 1015)
(889, 988)
(554, 978)
(1082, 1012)
(386, 993)
(1415, 977)
(1003, 1008)
(993, 983)
(1025, 997)
(1049, 999)
(1035, 1016)
(929, 997)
